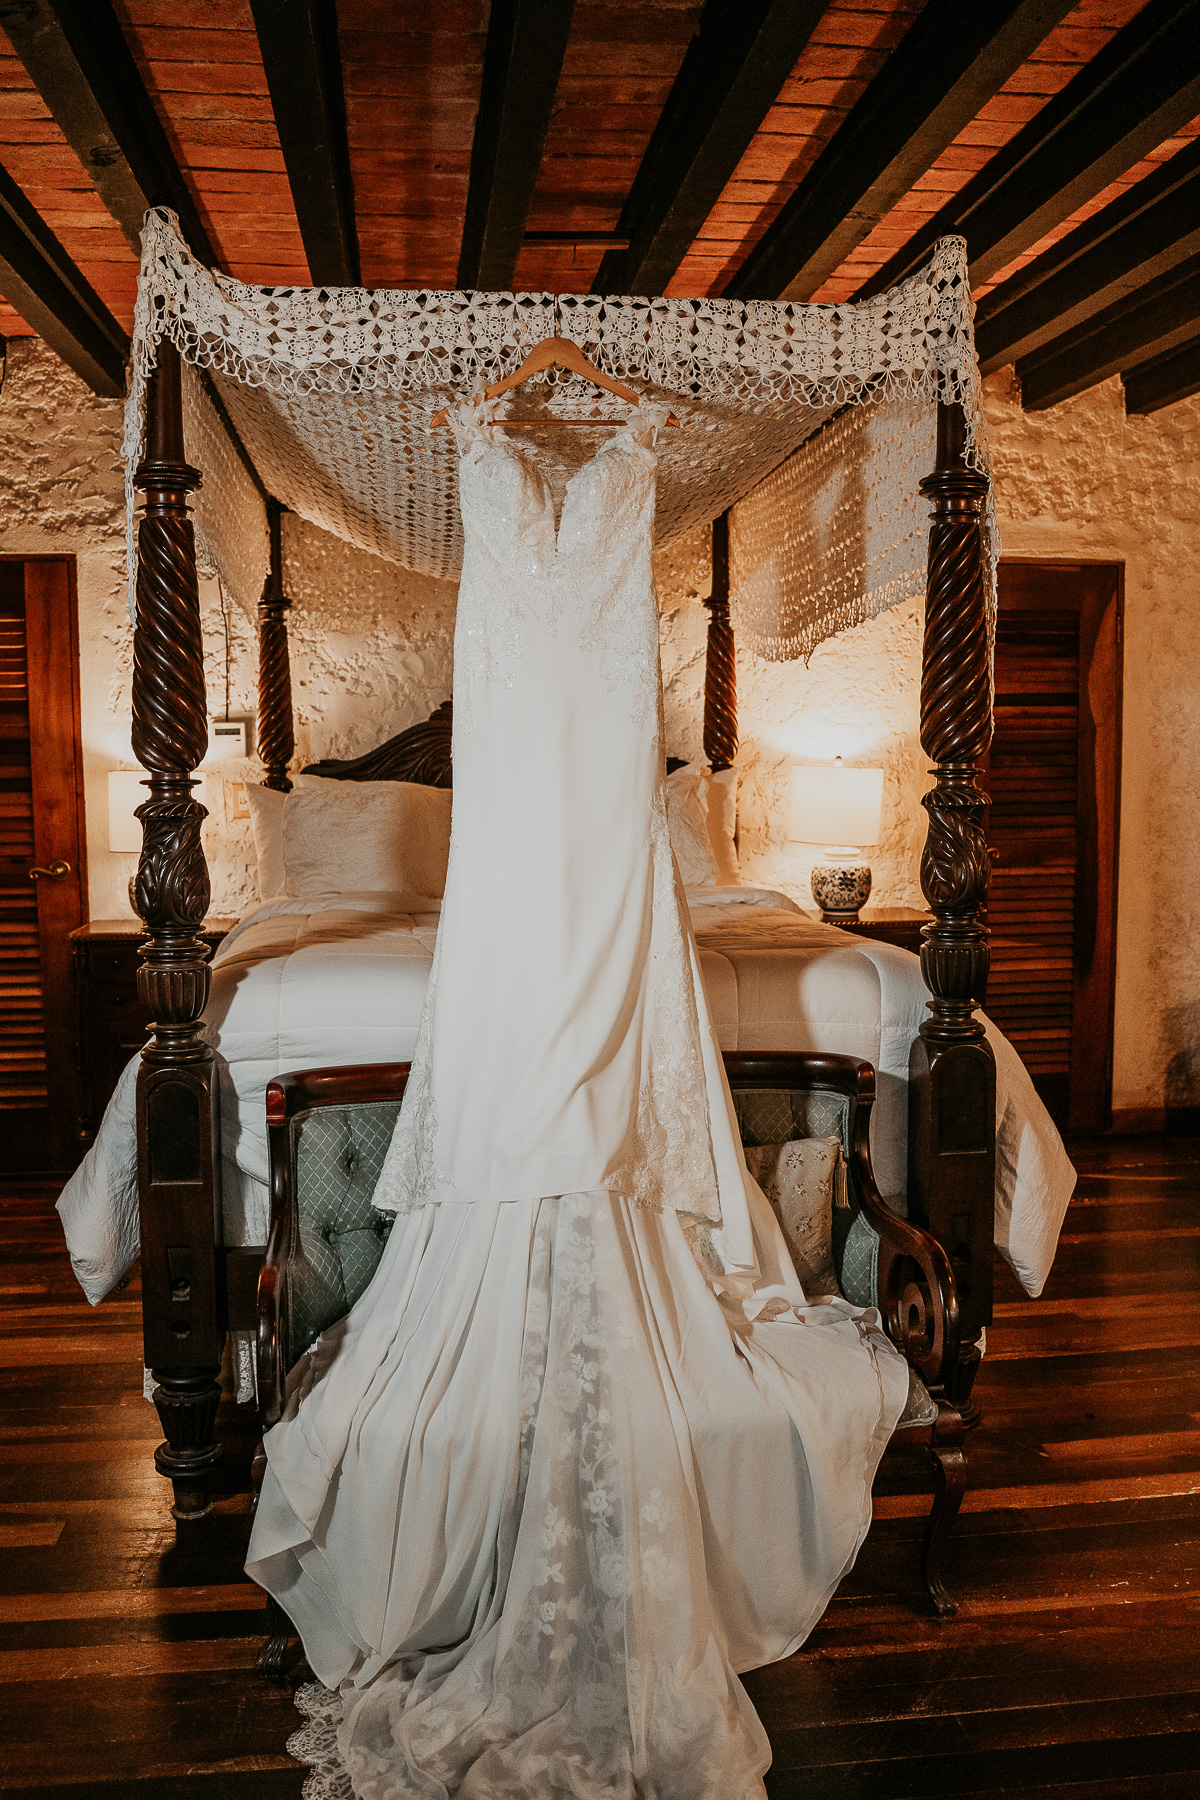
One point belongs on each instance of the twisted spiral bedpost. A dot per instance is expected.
(720, 663)
(176, 1098)
(276, 734)
(952, 1075)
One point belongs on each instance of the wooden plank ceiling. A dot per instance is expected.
(749, 148)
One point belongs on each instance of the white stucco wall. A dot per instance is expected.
(61, 494)
(1082, 480)
(371, 654)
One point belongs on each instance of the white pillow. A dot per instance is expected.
(366, 836)
(799, 1180)
(266, 822)
(722, 824)
(687, 821)
(702, 817)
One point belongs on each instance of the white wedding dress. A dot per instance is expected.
(582, 1450)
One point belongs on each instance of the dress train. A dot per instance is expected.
(602, 1503)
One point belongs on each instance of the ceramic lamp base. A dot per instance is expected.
(839, 889)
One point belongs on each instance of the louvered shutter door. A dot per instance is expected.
(1034, 783)
(22, 1032)
(1054, 779)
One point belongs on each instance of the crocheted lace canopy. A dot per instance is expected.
(332, 391)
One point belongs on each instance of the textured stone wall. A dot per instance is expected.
(1084, 481)
(370, 642)
(61, 495)
(371, 654)
(856, 698)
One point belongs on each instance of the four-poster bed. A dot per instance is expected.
(194, 1288)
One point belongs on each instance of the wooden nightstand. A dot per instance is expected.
(111, 1024)
(891, 925)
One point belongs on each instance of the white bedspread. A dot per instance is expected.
(313, 983)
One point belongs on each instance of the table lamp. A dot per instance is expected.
(839, 809)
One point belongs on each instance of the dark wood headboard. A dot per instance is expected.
(420, 754)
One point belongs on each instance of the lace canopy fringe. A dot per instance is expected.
(332, 391)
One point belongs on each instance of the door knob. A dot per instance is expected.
(56, 872)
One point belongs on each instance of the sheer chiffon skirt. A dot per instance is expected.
(542, 1494)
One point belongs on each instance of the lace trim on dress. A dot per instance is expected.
(673, 1167)
(599, 1674)
(410, 1171)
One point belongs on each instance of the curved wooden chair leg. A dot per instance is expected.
(950, 1471)
(279, 1628)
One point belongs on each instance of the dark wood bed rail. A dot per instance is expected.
(178, 1168)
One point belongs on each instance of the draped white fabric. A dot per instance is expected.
(836, 534)
(333, 393)
(581, 1452)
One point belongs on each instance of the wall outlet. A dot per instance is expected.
(239, 807)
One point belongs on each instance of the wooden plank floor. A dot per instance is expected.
(127, 1654)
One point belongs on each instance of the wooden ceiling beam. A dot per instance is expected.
(1147, 231)
(526, 43)
(77, 56)
(299, 44)
(1164, 379)
(1123, 104)
(1148, 324)
(39, 279)
(736, 64)
(950, 63)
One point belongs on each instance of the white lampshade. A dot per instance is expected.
(835, 805)
(126, 791)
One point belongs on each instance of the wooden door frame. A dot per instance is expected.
(54, 948)
(1098, 801)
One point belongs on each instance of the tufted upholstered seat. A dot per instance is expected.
(339, 1240)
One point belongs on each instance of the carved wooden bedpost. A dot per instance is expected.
(276, 736)
(176, 1097)
(720, 669)
(952, 1073)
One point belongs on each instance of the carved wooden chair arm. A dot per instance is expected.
(915, 1288)
(272, 1337)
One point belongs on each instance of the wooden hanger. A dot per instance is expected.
(556, 353)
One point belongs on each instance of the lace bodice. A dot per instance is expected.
(524, 567)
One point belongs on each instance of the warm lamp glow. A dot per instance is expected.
(125, 794)
(834, 805)
(126, 791)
